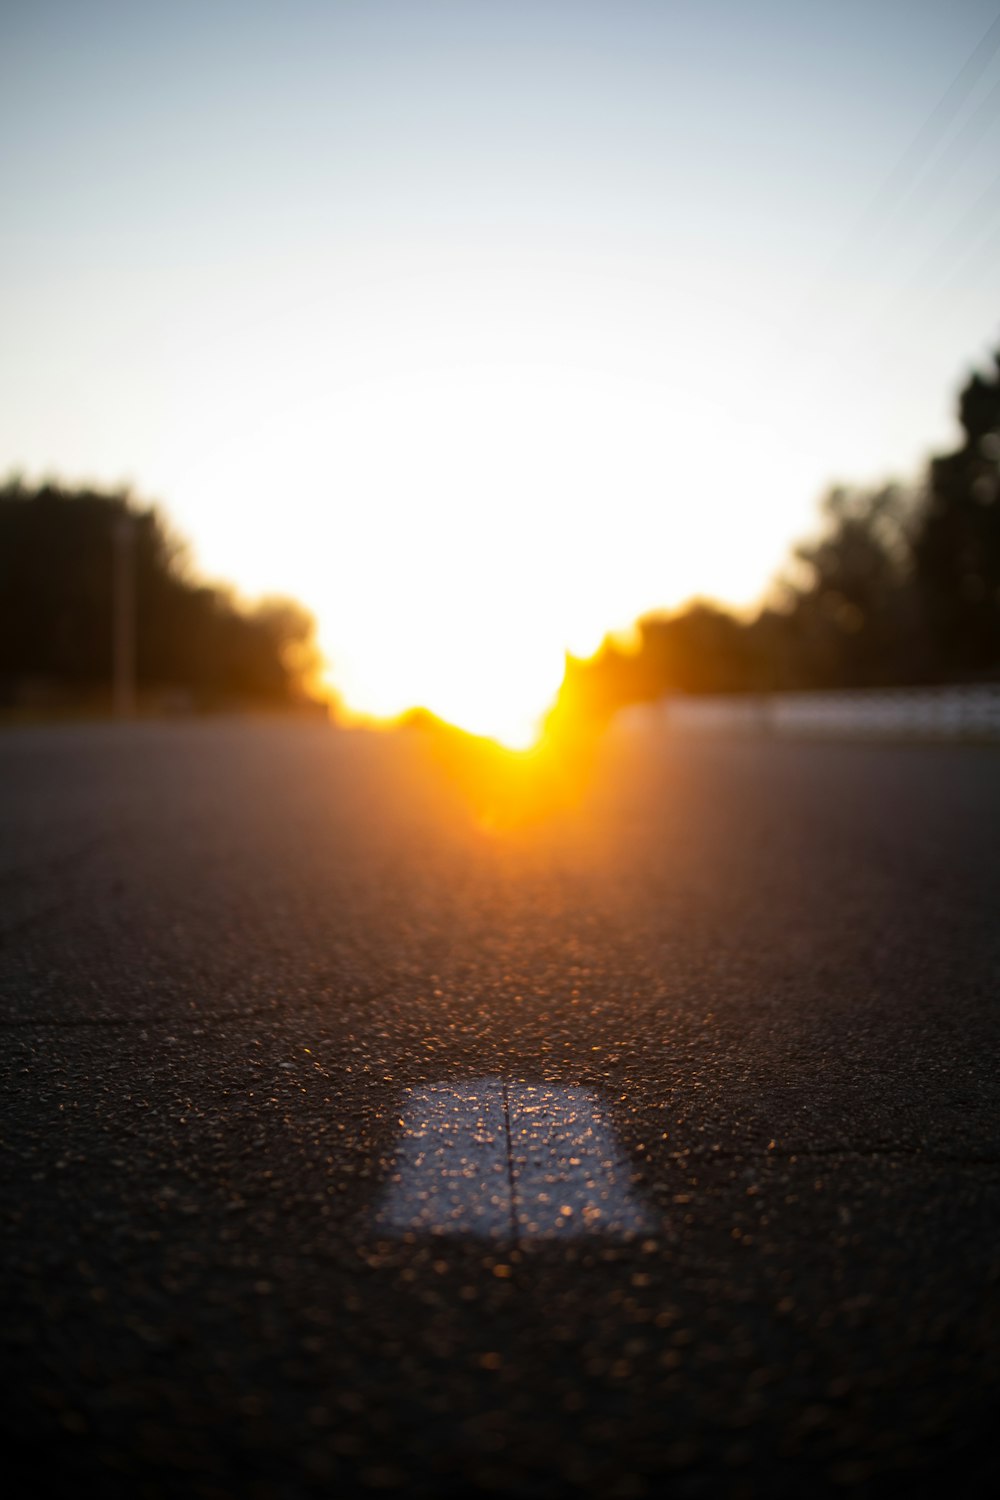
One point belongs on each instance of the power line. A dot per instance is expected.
(945, 167)
(965, 233)
(966, 236)
(903, 176)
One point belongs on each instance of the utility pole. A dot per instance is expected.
(123, 613)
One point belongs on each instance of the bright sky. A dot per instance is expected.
(483, 326)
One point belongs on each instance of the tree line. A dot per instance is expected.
(901, 588)
(196, 645)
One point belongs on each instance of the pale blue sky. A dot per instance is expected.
(565, 305)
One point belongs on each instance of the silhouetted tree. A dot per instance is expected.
(56, 603)
(853, 622)
(898, 588)
(957, 543)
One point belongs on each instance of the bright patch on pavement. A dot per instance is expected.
(452, 1172)
(510, 1161)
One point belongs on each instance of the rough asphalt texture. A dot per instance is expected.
(227, 952)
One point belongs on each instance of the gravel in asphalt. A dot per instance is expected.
(236, 957)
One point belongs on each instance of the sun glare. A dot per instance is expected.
(479, 581)
(498, 689)
(471, 485)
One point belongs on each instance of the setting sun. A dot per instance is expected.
(461, 523)
(491, 332)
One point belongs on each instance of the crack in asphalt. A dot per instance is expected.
(510, 1163)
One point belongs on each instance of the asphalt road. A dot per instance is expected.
(242, 967)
